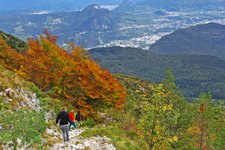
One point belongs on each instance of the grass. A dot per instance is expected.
(28, 126)
(9, 79)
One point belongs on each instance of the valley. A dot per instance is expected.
(138, 26)
(193, 73)
(141, 74)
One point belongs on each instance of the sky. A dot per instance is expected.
(52, 5)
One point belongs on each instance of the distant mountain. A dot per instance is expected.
(67, 25)
(193, 73)
(171, 5)
(124, 6)
(206, 39)
(184, 4)
(138, 26)
(94, 18)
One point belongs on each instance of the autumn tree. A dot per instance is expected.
(9, 58)
(74, 78)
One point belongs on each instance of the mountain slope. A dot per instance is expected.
(14, 42)
(193, 73)
(80, 27)
(206, 39)
(30, 110)
(94, 18)
(22, 108)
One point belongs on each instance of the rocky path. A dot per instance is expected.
(78, 143)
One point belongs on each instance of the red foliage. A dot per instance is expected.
(74, 77)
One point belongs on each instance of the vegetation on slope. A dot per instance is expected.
(14, 42)
(153, 116)
(159, 115)
(121, 127)
(193, 73)
(74, 78)
(21, 123)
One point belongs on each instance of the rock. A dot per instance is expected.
(1, 93)
(49, 115)
(44, 141)
(22, 98)
(8, 145)
(9, 93)
(11, 127)
(1, 127)
(78, 143)
(29, 100)
(52, 132)
(19, 142)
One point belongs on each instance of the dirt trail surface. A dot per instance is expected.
(78, 143)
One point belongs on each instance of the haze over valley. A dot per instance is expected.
(114, 23)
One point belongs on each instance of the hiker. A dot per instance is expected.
(78, 118)
(64, 119)
(72, 119)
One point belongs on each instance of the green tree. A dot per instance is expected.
(207, 129)
(159, 115)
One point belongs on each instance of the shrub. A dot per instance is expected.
(1, 103)
(36, 90)
(25, 125)
(88, 123)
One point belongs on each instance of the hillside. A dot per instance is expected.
(121, 112)
(23, 107)
(30, 110)
(205, 39)
(193, 73)
(28, 119)
(14, 42)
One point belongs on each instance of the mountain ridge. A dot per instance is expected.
(181, 4)
(205, 39)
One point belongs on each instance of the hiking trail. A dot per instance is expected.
(77, 142)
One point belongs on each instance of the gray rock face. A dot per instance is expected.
(21, 98)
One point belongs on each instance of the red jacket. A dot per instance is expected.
(71, 115)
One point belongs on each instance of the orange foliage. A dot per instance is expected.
(74, 77)
(9, 57)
